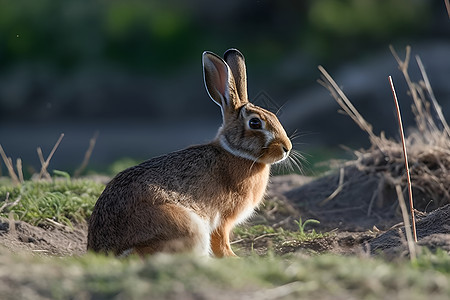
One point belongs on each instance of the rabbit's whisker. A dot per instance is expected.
(281, 107)
(295, 159)
(255, 161)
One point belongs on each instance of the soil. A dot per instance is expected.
(57, 241)
(432, 232)
(354, 205)
(355, 222)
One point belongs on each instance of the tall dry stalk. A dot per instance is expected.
(405, 156)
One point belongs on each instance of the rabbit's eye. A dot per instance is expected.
(255, 123)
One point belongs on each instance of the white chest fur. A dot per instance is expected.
(245, 214)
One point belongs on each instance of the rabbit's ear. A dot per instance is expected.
(219, 81)
(236, 62)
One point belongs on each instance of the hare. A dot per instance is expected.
(190, 200)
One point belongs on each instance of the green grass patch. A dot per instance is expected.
(62, 200)
(438, 260)
(178, 277)
(277, 234)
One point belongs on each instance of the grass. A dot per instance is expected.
(277, 234)
(62, 200)
(176, 277)
(290, 276)
(302, 225)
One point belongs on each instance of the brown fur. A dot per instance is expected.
(190, 200)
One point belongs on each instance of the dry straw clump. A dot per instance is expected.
(428, 144)
(363, 194)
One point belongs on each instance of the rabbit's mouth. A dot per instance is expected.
(275, 153)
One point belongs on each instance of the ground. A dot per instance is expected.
(285, 254)
(274, 228)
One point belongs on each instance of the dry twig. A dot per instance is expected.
(337, 190)
(47, 162)
(421, 108)
(87, 156)
(42, 160)
(5, 202)
(9, 204)
(436, 106)
(59, 225)
(328, 82)
(9, 166)
(19, 170)
(409, 235)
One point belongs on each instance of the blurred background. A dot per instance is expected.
(131, 71)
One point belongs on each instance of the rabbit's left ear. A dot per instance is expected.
(236, 62)
(219, 82)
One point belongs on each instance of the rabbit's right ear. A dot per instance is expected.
(219, 81)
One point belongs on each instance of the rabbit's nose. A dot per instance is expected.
(287, 146)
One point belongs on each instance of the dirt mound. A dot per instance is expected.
(59, 241)
(358, 198)
(433, 231)
(350, 200)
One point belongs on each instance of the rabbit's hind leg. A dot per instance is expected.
(179, 230)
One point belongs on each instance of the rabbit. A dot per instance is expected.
(190, 200)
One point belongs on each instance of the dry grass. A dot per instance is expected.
(44, 163)
(87, 156)
(9, 165)
(16, 175)
(428, 144)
